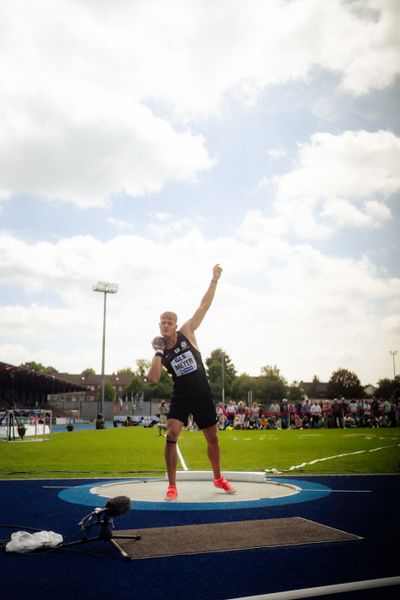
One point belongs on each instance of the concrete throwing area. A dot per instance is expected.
(197, 487)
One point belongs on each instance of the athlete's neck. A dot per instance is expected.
(171, 341)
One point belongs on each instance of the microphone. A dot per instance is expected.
(118, 506)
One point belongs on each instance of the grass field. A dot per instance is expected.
(125, 452)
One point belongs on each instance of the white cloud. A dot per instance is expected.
(370, 56)
(342, 213)
(129, 150)
(77, 79)
(119, 223)
(339, 180)
(276, 153)
(276, 304)
(164, 225)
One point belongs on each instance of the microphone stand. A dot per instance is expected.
(100, 517)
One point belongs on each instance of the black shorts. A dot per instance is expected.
(201, 407)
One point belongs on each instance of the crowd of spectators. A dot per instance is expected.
(309, 414)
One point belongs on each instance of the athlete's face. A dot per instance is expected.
(167, 327)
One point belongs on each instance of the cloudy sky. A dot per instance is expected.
(143, 141)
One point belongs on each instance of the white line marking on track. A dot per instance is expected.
(57, 487)
(180, 455)
(341, 491)
(313, 462)
(326, 589)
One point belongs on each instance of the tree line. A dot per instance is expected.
(226, 384)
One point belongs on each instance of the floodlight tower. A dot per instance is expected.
(393, 354)
(105, 288)
(223, 378)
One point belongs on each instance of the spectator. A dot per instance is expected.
(367, 416)
(237, 423)
(298, 421)
(397, 411)
(354, 410)
(221, 410)
(231, 412)
(386, 410)
(327, 414)
(299, 407)
(163, 410)
(254, 416)
(305, 409)
(315, 414)
(274, 408)
(241, 411)
(284, 414)
(375, 412)
(349, 420)
(337, 413)
(291, 409)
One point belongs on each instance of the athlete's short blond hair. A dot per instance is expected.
(169, 315)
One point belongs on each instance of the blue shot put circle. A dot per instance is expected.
(91, 494)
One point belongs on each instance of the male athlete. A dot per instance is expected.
(177, 351)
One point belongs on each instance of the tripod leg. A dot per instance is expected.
(125, 556)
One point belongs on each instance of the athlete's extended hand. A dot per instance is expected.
(217, 270)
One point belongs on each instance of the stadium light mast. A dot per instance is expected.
(393, 354)
(105, 288)
(223, 378)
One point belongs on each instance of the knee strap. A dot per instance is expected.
(171, 441)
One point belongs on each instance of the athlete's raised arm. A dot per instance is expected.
(195, 321)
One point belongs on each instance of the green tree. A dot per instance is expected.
(34, 366)
(136, 386)
(86, 372)
(344, 383)
(162, 389)
(272, 385)
(389, 389)
(220, 369)
(109, 392)
(295, 392)
(39, 368)
(125, 371)
(143, 365)
(242, 385)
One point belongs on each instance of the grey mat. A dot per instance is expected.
(225, 537)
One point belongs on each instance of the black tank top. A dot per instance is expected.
(185, 364)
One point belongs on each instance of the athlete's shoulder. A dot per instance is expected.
(188, 335)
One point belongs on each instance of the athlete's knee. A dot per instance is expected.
(212, 438)
(171, 436)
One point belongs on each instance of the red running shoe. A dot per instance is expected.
(172, 494)
(222, 483)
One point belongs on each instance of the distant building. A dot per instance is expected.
(26, 388)
(315, 389)
(92, 383)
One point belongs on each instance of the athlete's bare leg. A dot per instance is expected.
(211, 435)
(174, 427)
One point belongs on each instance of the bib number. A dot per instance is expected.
(184, 363)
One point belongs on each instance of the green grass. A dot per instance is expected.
(125, 452)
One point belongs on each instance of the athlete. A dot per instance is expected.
(177, 351)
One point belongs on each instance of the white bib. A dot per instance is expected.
(184, 363)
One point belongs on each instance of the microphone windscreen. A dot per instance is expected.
(118, 505)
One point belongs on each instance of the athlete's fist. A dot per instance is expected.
(217, 270)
